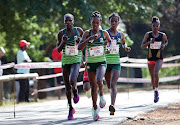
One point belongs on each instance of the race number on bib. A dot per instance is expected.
(96, 51)
(155, 45)
(113, 49)
(71, 50)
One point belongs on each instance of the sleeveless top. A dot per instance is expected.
(96, 49)
(71, 54)
(114, 56)
(154, 52)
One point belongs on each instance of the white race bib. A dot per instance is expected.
(71, 50)
(96, 51)
(113, 49)
(155, 45)
(113, 42)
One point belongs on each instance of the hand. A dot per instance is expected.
(64, 38)
(94, 37)
(127, 49)
(105, 42)
(78, 39)
(162, 46)
(152, 40)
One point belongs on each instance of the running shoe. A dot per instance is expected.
(102, 102)
(88, 93)
(76, 96)
(156, 96)
(71, 112)
(95, 113)
(111, 109)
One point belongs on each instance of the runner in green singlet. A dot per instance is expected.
(68, 40)
(93, 39)
(113, 58)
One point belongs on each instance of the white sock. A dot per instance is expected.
(156, 89)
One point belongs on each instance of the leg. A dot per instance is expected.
(74, 71)
(158, 66)
(27, 90)
(114, 77)
(86, 86)
(59, 80)
(108, 78)
(17, 90)
(151, 71)
(100, 71)
(93, 83)
(66, 73)
(86, 83)
(59, 92)
(22, 90)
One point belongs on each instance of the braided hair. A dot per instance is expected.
(96, 14)
(114, 15)
(155, 19)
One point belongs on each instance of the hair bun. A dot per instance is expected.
(155, 19)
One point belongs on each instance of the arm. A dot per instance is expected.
(27, 58)
(124, 45)
(21, 58)
(165, 41)
(62, 39)
(106, 36)
(80, 32)
(146, 43)
(2, 51)
(86, 39)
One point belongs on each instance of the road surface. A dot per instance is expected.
(55, 112)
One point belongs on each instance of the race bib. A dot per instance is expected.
(155, 45)
(113, 42)
(113, 49)
(96, 51)
(71, 50)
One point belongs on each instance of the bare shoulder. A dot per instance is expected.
(87, 32)
(104, 32)
(122, 34)
(79, 29)
(147, 33)
(60, 32)
(164, 34)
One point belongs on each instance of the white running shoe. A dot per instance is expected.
(95, 113)
(102, 102)
(88, 93)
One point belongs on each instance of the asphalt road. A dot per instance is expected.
(55, 112)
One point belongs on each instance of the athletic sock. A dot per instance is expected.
(156, 89)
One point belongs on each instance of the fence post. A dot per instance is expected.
(1, 93)
(35, 89)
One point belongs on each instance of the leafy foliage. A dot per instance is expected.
(38, 21)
